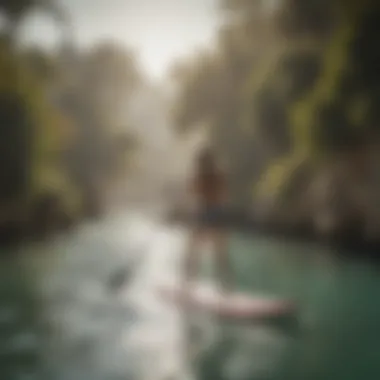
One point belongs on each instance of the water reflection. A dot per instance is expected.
(97, 330)
(243, 352)
(20, 341)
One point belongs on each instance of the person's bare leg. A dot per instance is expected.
(191, 264)
(222, 259)
(191, 260)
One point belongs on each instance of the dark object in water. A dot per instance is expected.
(124, 274)
(119, 279)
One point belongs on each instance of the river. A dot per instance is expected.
(61, 319)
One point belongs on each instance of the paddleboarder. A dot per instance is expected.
(209, 196)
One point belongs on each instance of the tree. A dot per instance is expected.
(34, 135)
(96, 96)
(287, 92)
(16, 10)
(213, 90)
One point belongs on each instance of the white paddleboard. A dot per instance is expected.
(230, 305)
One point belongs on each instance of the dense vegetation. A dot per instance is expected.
(63, 144)
(289, 96)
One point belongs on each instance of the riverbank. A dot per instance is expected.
(349, 240)
(18, 231)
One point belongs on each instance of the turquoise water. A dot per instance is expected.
(336, 335)
(58, 319)
(20, 333)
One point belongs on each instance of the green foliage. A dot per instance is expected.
(287, 103)
(43, 65)
(93, 92)
(59, 119)
(201, 93)
(15, 128)
(279, 176)
(34, 135)
(303, 113)
(15, 9)
(332, 113)
(14, 12)
(299, 18)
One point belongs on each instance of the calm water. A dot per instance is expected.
(59, 318)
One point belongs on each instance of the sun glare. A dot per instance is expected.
(158, 54)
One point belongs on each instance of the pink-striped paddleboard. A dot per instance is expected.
(234, 305)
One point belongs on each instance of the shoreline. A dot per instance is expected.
(350, 240)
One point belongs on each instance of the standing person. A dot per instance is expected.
(208, 190)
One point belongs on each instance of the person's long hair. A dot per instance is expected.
(207, 166)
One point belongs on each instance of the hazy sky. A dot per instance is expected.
(160, 30)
